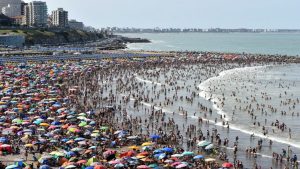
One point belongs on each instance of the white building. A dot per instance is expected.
(60, 18)
(10, 8)
(36, 14)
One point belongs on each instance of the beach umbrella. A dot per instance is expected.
(93, 147)
(44, 124)
(81, 162)
(90, 167)
(5, 145)
(99, 167)
(82, 124)
(45, 167)
(188, 153)
(82, 143)
(175, 164)
(168, 161)
(209, 147)
(134, 147)
(132, 137)
(79, 139)
(120, 165)
(198, 157)
(57, 153)
(12, 166)
(203, 143)
(70, 153)
(153, 165)
(91, 160)
(176, 155)
(55, 123)
(162, 156)
(181, 166)
(3, 139)
(76, 149)
(227, 165)
(95, 134)
(70, 166)
(154, 137)
(168, 150)
(103, 128)
(158, 151)
(210, 160)
(143, 167)
(28, 145)
(147, 144)
(81, 114)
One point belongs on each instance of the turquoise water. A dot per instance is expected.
(263, 43)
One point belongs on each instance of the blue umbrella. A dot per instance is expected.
(90, 167)
(56, 105)
(3, 139)
(56, 123)
(154, 136)
(64, 139)
(167, 149)
(158, 151)
(157, 155)
(45, 167)
(70, 153)
(198, 157)
(162, 156)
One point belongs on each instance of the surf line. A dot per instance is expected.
(204, 93)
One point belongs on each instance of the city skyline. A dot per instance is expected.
(275, 14)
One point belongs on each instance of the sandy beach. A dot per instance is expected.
(176, 111)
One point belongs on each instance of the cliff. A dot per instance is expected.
(54, 37)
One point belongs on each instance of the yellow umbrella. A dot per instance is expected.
(140, 157)
(28, 145)
(72, 129)
(44, 124)
(147, 144)
(134, 147)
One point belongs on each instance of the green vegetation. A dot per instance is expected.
(46, 36)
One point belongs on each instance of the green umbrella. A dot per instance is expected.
(82, 124)
(103, 128)
(188, 153)
(152, 165)
(18, 121)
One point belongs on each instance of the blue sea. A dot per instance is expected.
(263, 43)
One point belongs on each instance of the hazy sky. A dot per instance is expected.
(183, 13)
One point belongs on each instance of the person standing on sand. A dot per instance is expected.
(26, 155)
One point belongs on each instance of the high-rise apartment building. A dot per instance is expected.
(10, 8)
(60, 18)
(36, 14)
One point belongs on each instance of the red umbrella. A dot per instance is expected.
(81, 162)
(227, 165)
(99, 167)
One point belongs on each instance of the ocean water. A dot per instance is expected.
(264, 87)
(263, 43)
(250, 98)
